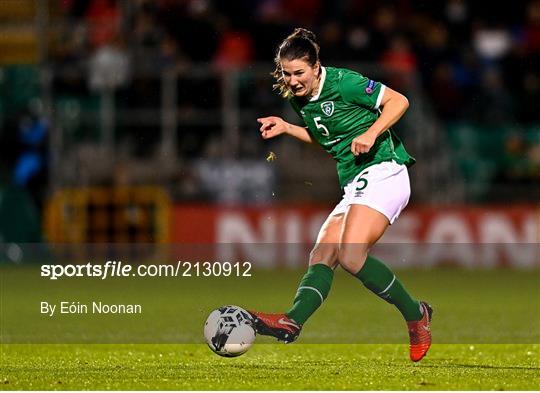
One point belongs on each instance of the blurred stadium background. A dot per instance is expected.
(134, 121)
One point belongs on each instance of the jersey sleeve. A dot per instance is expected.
(362, 91)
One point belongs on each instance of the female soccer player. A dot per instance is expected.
(350, 116)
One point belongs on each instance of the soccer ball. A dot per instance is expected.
(229, 331)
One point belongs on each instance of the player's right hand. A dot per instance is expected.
(272, 126)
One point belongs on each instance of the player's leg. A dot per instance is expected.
(375, 198)
(312, 290)
(315, 285)
(362, 227)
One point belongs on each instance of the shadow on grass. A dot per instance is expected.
(480, 366)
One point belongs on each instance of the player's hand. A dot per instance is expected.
(362, 143)
(272, 126)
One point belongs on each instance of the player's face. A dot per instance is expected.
(301, 78)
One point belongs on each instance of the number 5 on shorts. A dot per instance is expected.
(362, 183)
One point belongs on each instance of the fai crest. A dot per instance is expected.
(328, 108)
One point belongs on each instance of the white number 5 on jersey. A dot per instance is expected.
(321, 127)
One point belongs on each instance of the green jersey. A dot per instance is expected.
(346, 106)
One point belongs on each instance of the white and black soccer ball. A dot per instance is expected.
(229, 331)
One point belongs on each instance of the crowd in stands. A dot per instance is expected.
(476, 62)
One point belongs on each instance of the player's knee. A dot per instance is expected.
(324, 253)
(352, 257)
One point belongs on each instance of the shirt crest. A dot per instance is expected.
(328, 108)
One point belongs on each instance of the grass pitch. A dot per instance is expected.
(486, 335)
(270, 367)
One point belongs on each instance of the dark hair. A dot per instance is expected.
(301, 44)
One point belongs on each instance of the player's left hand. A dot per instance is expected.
(362, 143)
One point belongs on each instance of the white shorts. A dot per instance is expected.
(384, 187)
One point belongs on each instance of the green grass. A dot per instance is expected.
(486, 331)
(470, 307)
(269, 367)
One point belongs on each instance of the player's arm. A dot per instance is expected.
(273, 126)
(393, 105)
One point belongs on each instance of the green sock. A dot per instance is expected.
(312, 291)
(379, 279)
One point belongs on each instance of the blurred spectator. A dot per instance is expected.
(69, 51)
(401, 60)
(235, 49)
(109, 67)
(533, 158)
(103, 18)
(467, 71)
(31, 168)
(332, 40)
(457, 15)
(399, 56)
(359, 41)
(495, 105)
(447, 99)
(384, 26)
(514, 164)
(532, 27)
(147, 37)
(170, 55)
(434, 48)
(520, 163)
(492, 43)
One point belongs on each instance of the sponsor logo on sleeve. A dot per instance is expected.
(370, 87)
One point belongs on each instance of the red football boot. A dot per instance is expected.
(420, 334)
(276, 325)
